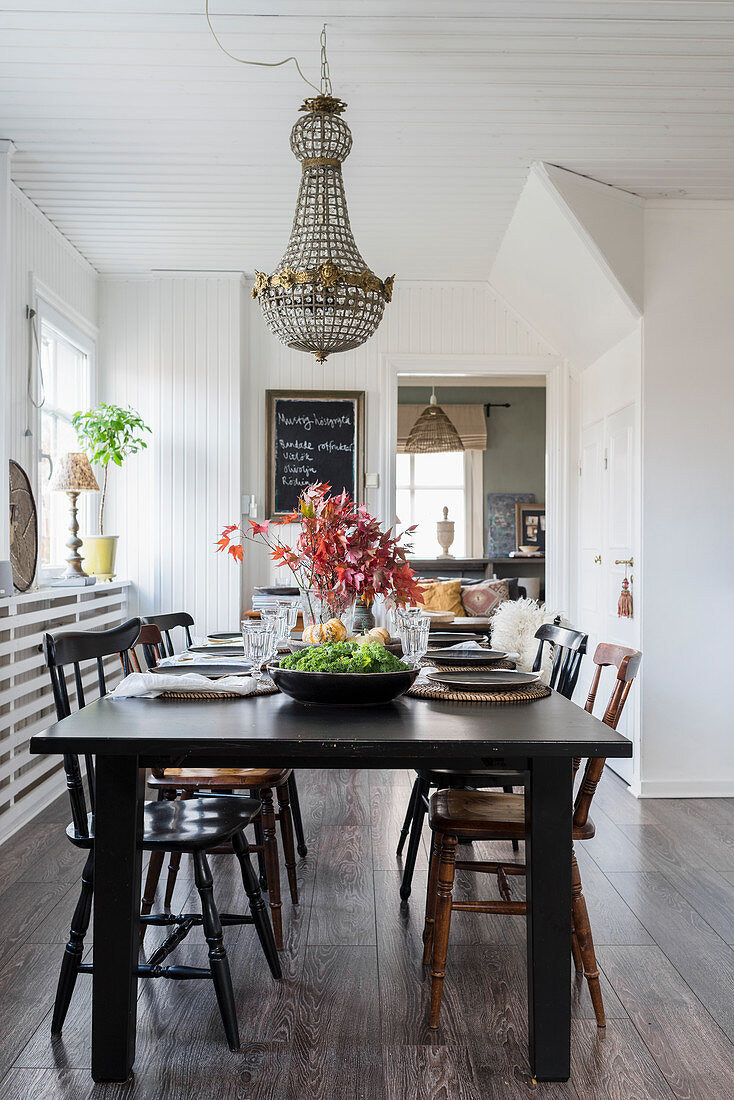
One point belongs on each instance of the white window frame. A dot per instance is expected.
(473, 488)
(53, 311)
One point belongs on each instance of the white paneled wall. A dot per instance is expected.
(432, 318)
(38, 251)
(29, 782)
(171, 347)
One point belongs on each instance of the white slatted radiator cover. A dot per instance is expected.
(28, 783)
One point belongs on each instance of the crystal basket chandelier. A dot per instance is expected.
(322, 298)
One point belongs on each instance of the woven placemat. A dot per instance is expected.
(515, 695)
(426, 662)
(262, 689)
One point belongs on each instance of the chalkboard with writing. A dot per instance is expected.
(313, 436)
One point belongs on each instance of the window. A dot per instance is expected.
(426, 484)
(65, 361)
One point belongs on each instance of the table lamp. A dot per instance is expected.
(73, 475)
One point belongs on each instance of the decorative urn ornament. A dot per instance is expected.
(445, 534)
(322, 298)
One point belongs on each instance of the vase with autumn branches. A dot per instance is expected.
(341, 554)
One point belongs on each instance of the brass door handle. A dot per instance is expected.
(624, 561)
(597, 559)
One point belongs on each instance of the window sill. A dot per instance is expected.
(46, 591)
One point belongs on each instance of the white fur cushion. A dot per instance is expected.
(513, 630)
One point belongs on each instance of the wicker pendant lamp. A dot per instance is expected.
(433, 432)
(322, 298)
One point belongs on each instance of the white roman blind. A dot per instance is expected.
(469, 421)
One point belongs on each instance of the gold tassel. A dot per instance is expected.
(624, 607)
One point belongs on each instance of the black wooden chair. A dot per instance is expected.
(191, 827)
(569, 647)
(168, 622)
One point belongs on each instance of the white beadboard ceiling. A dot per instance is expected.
(150, 149)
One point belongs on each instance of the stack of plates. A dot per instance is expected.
(500, 679)
(480, 658)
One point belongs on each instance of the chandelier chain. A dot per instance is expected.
(276, 64)
(325, 74)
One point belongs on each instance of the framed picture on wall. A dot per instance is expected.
(530, 528)
(313, 436)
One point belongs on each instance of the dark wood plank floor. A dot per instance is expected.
(348, 1020)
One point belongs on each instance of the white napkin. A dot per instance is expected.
(146, 685)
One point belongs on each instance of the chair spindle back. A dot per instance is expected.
(167, 623)
(71, 647)
(151, 640)
(569, 647)
(627, 664)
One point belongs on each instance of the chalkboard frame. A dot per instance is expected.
(353, 397)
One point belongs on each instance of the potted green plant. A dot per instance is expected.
(108, 433)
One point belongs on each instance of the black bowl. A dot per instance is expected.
(355, 689)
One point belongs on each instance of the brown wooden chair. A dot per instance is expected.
(568, 647)
(489, 816)
(173, 783)
(171, 621)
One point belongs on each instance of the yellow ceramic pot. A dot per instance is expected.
(99, 553)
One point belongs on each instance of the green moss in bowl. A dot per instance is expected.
(344, 657)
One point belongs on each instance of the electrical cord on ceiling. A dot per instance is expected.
(325, 81)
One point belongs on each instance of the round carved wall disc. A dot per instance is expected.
(23, 529)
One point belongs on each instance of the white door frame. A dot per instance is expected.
(556, 372)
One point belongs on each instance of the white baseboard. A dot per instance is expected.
(683, 788)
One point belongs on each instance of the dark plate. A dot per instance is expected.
(473, 657)
(440, 638)
(231, 635)
(224, 650)
(499, 679)
(206, 668)
(366, 689)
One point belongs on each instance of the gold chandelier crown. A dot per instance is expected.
(322, 298)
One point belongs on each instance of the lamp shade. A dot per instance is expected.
(73, 474)
(433, 432)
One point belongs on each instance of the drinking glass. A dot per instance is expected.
(276, 618)
(290, 610)
(403, 614)
(414, 637)
(258, 639)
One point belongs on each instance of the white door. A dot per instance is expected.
(607, 535)
(620, 544)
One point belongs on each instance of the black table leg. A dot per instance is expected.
(117, 869)
(548, 809)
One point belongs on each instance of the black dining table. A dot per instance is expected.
(541, 738)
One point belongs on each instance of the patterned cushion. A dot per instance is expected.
(443, 596)
(484, 599)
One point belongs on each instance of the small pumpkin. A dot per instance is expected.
(379, 634)
(333, 631)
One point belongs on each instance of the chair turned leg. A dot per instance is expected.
(173, 865)
(576, 953)
(582, 927)
(416, 828)
(408, 817)
(296, 812)
(431, 900)
(272, 867)
(515, 846)
(75, 948)
(444, 892)
(258, 909)
(286, 834)
(218, 961)
(258, 827)
(151, 885)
